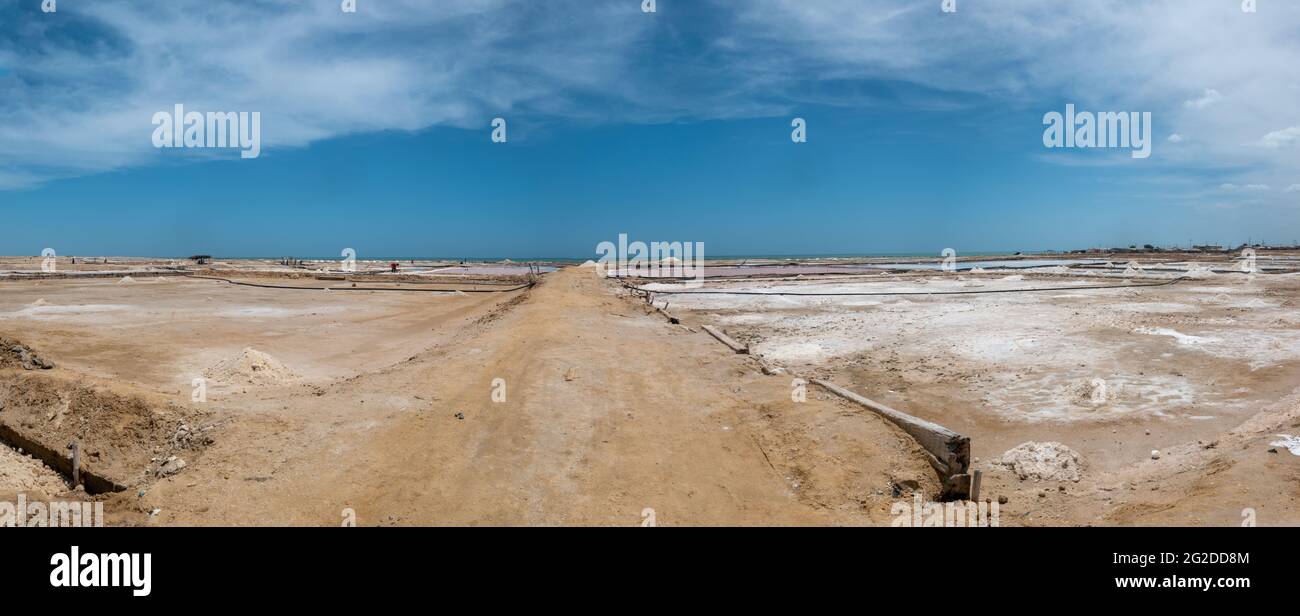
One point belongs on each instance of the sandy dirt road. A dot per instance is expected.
(609, 412)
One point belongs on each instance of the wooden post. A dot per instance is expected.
(975, 485)
(76, 463)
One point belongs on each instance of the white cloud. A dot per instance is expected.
(312, 71)
(317, 73)
(1175, 138)
(1011, 51)
(1210, 97)
(1246, 187)
(1281, 138)
(1293, 188)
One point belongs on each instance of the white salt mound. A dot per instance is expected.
(252, 367)
(40, 302)
(126, 280)
(1291, 443)
(1085, 392)
(1043, 461)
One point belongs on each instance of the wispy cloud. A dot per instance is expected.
(1210, 97)
(87, 79)
(82, 84)
(1284, 138)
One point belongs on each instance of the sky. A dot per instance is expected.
(925, 128)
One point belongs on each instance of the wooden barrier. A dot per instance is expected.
(949, 451)
(671, 319)
(725, 339)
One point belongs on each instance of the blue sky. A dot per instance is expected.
(924, 128)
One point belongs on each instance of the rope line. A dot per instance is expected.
(883, 293)
(408, 289)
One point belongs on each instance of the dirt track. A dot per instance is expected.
(609, 411)
(384, 405)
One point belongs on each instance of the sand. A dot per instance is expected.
(384, 403)
(573, 403)
(1112, 374)
(22, 473)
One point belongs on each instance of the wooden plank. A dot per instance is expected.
(952, 450)
(76, 463)
(671, 319)
(725, 339)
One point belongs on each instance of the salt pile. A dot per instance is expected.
(1291, 443)
(1043, 461)
(1091, 392)
(252, 367)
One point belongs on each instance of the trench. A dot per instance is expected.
(58, 462)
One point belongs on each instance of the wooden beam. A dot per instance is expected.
(671, 319)
(724, 339)
(950, 450)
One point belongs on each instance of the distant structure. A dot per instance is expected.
(201, 259)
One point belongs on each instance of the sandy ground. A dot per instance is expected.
(573, 403)
(1113, 374)
(162, 333)
(382, 405)
(20, 472)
